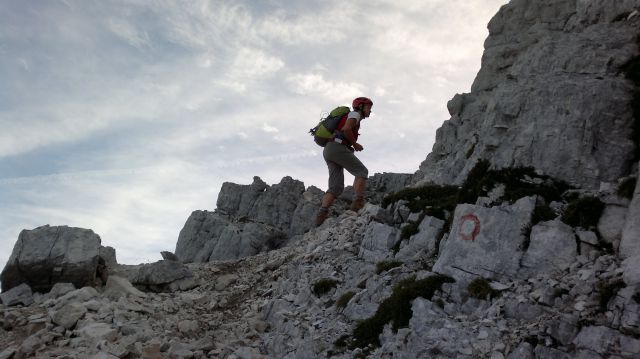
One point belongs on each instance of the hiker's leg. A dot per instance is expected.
(359, 184)
(332, 155)
(352, 164)
(327, 200)
(336, 186)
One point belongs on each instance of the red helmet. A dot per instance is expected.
(361, 101)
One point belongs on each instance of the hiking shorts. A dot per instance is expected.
(338, 158)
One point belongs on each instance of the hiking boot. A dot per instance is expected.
(323, 214)
(357, 204)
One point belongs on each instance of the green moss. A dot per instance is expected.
(583, 212)
(440, 303)
(324, 286)
(396, 309)
(362, 285)
(409, 230)
(542, 213)
(342, 341)
(396, 247)
(344, 299)
(386, 265)
(480, 288)
(470, 151)
(519, 182)
(433, 198)
(607, 290)
(627, 187)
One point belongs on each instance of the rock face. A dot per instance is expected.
(254, 218)
(630, 244)
(249, 219)
(552, 248)
(47, 255)
(538, 98)
(485, 242)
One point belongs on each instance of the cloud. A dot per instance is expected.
(314, 83)
(269, 129)
(254, 64)
(129, 33)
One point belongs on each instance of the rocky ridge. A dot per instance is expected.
(506, 263)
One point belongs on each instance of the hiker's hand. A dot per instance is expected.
(357, 147)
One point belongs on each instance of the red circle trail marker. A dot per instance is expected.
(469, 227)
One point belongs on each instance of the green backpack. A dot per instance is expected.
(324, 131)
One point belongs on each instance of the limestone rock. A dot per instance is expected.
(603, 340)
(485, 242)
(552, 248)
(631, 267)
(378, 241)
(47, 255)
(79, 295)
(611, 224)
(169, 256)
(423, 242)
(249, 219)
(118, 286)
(535, 99)
(17, 295)
(108, 256)
(160, 276)
(68, 315)
(630, 244)
(98, 332)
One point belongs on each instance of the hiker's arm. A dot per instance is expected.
(348, 130)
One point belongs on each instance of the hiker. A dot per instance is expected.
(338, 153)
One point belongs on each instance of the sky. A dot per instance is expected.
(124, 116)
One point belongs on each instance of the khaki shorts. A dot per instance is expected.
(338, 158)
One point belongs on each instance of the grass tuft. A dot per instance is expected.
(344, 299)
(583, 212)
(324, 286)
(627, 187)
(396, 309)
(386, 265)
(480, 288)
(607, 290)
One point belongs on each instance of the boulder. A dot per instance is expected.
(47, 255)
(631, 270)
(17, 295)
(161, 276)
(630, 243)
(169, 256)
(485, 242)
(377, 242)
(68, 315)
(422, 242)
(603, 340)
(552, 247)
(118, 286)
(98, 332)
(611, 223)
(78, 296)
(60, 289)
